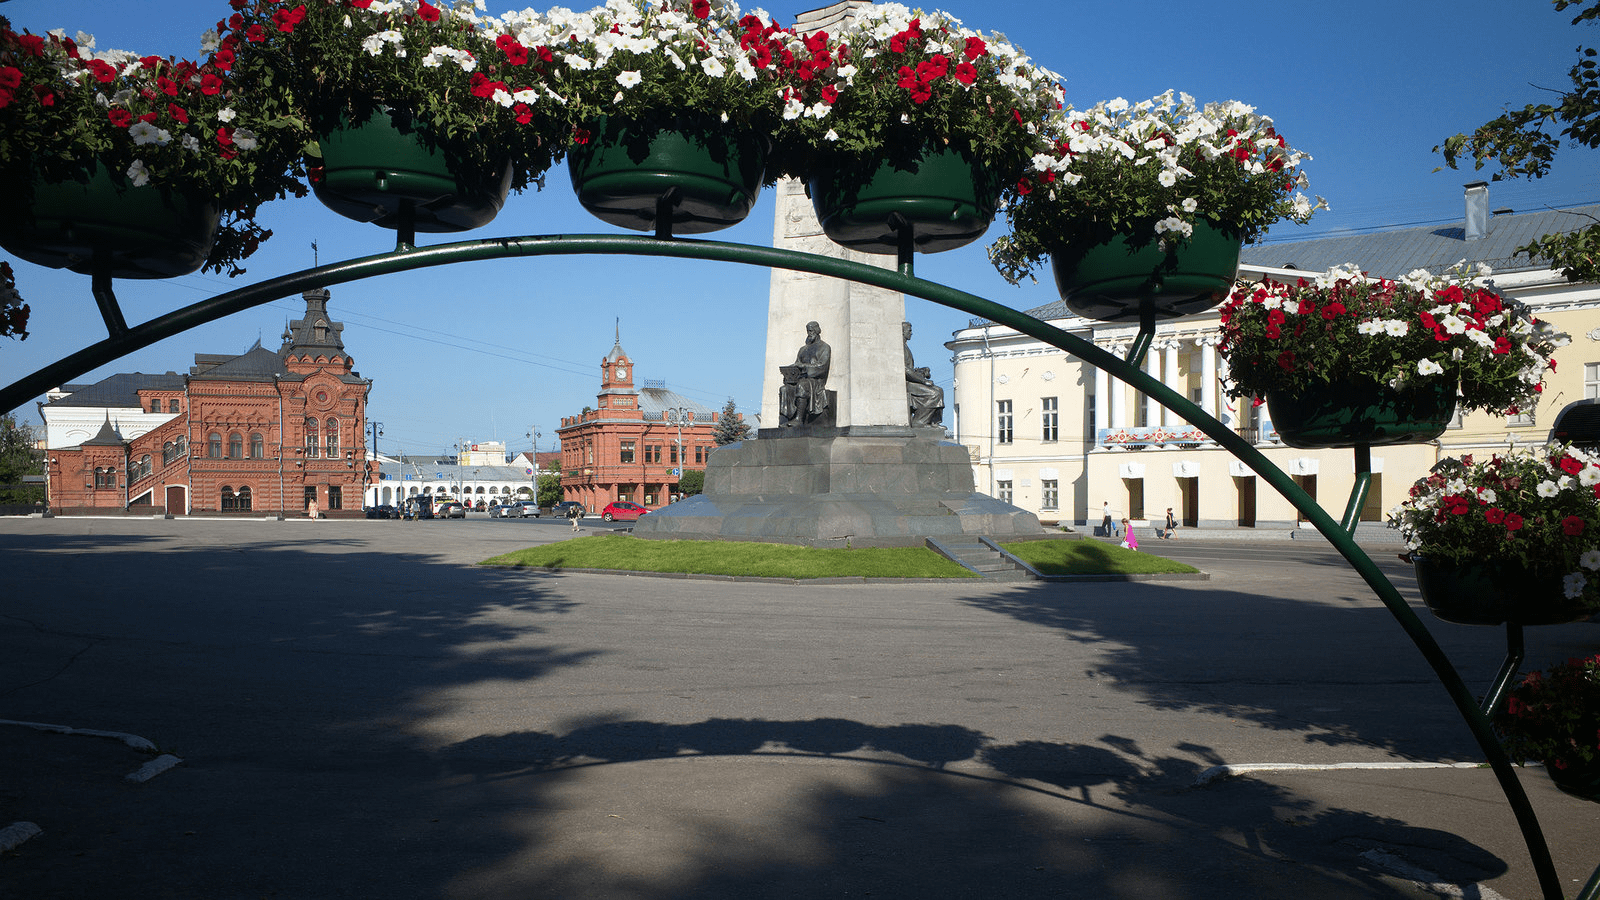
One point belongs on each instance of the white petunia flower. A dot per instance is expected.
(1190, 204)
(1548, 489)
(1428, 367)
(713, 67)
(1396, 327)
(1574, 585)
(245, 139)
(145, 133)
(137, 173)
(629, 79)
(831, 135)
(1590, 559)
(226, 114)
(1369, 327)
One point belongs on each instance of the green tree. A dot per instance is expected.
(1523, 142)
(549, 490)
(691, 482)
(19, 458)
(730, 427)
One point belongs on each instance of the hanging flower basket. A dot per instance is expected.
(706, 176)
(1491, 593)
(1170, 277)
(1579, 780)
(946, 200)
(138, 232)
(370, 170)
(1349, 412)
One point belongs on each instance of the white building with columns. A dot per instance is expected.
(1059, 437)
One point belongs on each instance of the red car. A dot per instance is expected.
(622, 510)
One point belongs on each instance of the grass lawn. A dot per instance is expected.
(1086, 557)
(627, 553)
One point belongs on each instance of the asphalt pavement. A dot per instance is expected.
(355, 709)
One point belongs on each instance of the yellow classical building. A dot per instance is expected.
(1060, 438)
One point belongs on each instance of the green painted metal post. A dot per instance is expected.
(1358, 491)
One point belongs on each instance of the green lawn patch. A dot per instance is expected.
(631, 554)
(1086, 557)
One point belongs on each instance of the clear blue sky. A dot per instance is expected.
(484, 351)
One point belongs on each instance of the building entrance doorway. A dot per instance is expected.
(1246, 488)
(175, 504)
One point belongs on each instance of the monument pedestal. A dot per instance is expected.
(860, 486)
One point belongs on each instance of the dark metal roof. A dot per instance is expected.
(1396, 252)
(654, 403)
(259, 364)
(121, 390)
(108, 436)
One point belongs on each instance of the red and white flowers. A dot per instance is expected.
(897, 80)
(1151, 171)
(1554, 716)
(1541, 510)
(1340, 324)
(66, 108)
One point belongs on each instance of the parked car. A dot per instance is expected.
(559, 511)
(622, 510)
(382, 511)
(503, 510)
(1578, 423)
(525, 508)
(449, 509)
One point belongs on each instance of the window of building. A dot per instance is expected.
(214, 445)
(1523, 419)
(1049, 419)
(1591, 380)
(652, 453)
(1002, 490)
(1050, 493)
(1091, 415)
(1003, 421)
(172, 406)
(333, 439)
(181, 447)
(313, 439)
(625, 496)
(649, 499)
(145, 467)
(310, 496)
(169, 452)
(235, 446)
(228, 499)
(243, 497)
(105, 477)
(258, 447)
(672, 454)
(155, 406)
(627, 451)
(335, 497)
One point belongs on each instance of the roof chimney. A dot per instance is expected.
(1477, 210)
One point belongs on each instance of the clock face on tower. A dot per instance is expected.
(622, 372)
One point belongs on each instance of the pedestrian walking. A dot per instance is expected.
(1129, 539)
(575, 513)
(1108, 528)
(1172, 523)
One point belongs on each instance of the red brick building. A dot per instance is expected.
(628, 448)
(259, 433)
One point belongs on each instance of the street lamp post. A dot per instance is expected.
(377, 490)
(679, 416)
(534, 435)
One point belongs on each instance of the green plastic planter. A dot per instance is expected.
(704, 176)
(1116, 281)
(369, 170)
(1582, 780)
(1492, 593)
(1348, 413)
(138, 232)
(947, 201)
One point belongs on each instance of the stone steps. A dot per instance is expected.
(980, 557)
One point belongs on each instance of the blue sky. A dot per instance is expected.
(487, 351)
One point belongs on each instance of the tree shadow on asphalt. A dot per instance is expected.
(287, 793)
(1332, 667)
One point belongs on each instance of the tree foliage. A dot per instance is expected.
(19, 458)
(1522, 143)
(730, 428)
(549, 490)
(691, 482)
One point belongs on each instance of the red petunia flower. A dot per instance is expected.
(1495, 515)
(10, 77)
(702, 9)
(286, 19)
(966, 73)
(103, 72)
(167, 86)
(32, 44)
(427, 12)
(1513, 522)
(177, 113)
(210, 85)
(120, 118)
(830, 94)
(975, 48)
(1572, 526)
(1570, 465)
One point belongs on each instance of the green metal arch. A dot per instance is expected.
(406, 258)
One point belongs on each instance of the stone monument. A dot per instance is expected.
(870, 467)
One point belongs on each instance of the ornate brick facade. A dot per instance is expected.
(628, 448)
(260, 433)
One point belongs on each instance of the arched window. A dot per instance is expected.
(333, 438)
(242, 499)
(169, 452)
(182, 447)
(258, 447)
(172, 406)
(312, 443)
(105, 477)
(230, 501)
(145, 468)
(235, 446)
(214, 445)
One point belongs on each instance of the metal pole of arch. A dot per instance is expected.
(406, 259)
